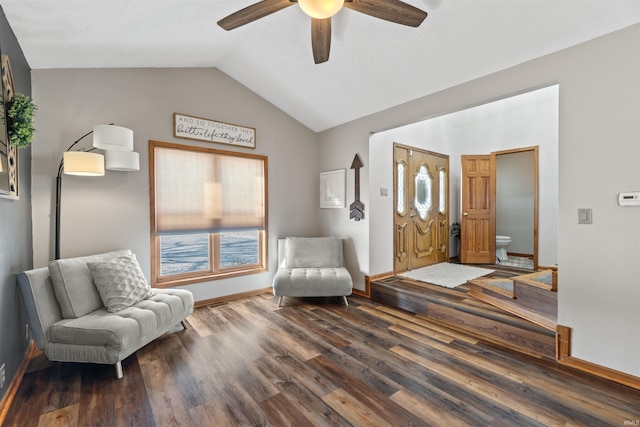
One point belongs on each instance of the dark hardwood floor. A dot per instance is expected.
(457, 309)
(316, 362)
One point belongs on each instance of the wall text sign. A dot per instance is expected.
(200, 129)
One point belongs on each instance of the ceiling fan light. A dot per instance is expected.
(321, 9)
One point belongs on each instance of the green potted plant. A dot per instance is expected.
(20, 112)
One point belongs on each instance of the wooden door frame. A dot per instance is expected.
(535, 149)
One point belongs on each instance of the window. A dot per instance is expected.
(208, 214)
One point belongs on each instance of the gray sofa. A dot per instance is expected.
(311, 267)
(70, 322)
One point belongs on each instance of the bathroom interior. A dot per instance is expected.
(510, 127)
(515, 208)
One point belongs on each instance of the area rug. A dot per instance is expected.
(446, 274)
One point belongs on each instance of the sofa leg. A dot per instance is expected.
(184, 324)
(280, 301)
(119, 370)
(346, 302)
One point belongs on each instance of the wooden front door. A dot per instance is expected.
(478, 226)
(421, 204)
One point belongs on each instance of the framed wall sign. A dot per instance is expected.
(197, 128)
(332, 189)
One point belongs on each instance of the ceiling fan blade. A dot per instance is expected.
(389, 10)
(253, 13)
(321, 39)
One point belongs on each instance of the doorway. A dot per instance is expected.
(517, 205)
(421, 208)
(525, 120)
(511, 200)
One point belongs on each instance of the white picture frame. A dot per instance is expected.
(333, 189)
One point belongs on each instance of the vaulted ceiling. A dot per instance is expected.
(373, 65)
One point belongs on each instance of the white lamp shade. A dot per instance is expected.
(123, 161)
(321, 9)
(83, 163)
(111, 137)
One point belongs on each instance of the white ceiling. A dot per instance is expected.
(373, 65)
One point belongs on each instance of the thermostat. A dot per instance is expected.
(629, 199)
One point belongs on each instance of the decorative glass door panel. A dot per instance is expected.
(401, 206)
(423, 216)
(442, 193)
(422, 189)
(443, 210)
(401, 217)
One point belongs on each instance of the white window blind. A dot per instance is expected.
(203, 191)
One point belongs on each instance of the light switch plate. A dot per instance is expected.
(584, 216)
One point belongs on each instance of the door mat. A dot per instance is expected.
(446, 274)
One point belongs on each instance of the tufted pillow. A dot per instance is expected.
(120, 282)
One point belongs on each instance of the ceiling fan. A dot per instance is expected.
(321, 12)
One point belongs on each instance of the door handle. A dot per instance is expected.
(465, 214)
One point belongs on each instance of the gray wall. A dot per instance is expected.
(15, 230)
(515, 194)
(111, 212)
(598, 131)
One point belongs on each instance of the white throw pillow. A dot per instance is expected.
(120, 282)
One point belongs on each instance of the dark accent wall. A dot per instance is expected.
(16, 247)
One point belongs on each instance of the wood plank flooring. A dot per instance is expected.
(458, 309)
(315, 362)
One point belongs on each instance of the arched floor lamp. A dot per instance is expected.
(116, 141)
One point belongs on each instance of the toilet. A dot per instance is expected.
(501, 247)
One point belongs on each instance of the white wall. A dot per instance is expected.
(599, 272)
(523, 120)
(112, 212)
(433, 135)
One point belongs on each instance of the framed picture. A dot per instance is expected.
(332, 189)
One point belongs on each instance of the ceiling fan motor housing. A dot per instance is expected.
(321, 9)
